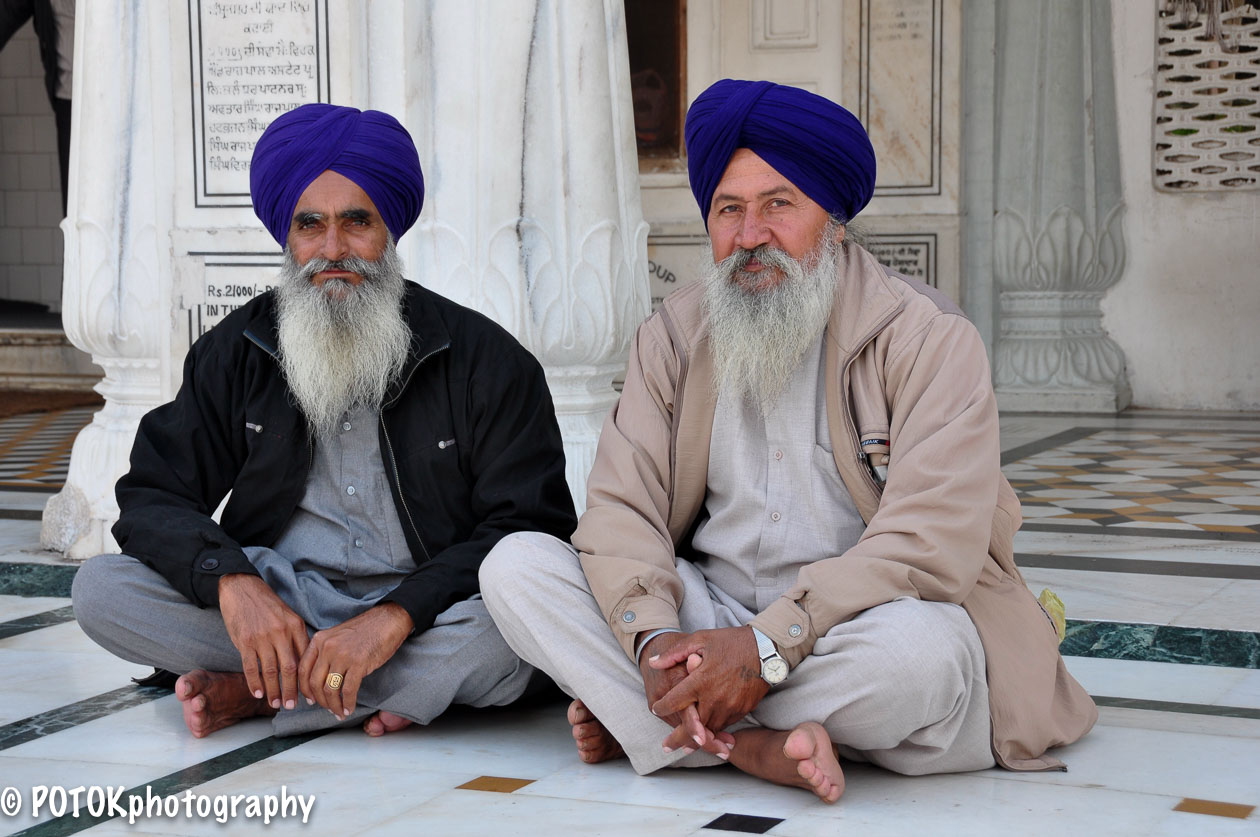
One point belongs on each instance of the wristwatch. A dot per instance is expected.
(774, 669)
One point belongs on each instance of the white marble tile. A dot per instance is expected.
(1177, 507)
(1063, 493)
(31, 500)
(1227, 604)
(1221, 519)
(19, 535)
(989, 806)
(348, 799)
(1175, 764)
(719, 790)
(1089, 504)
(1210, 685)
(1142, 487)
(16, 607)
(1155, 524)
(1037, 512)
(27, 772)
(477, 813)
(519, 744)
(151, 734)
(66, 637)
(1138, 546)
(1105, 479)
(50, 680)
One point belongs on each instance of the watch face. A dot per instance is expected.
(774, 670)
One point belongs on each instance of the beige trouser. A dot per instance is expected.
(902, 685)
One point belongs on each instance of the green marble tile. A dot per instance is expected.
(36, 579)
(73, 714)
(1161, 644)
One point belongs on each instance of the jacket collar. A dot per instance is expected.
(429, 333)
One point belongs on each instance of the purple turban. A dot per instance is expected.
(368, 147)
(816, 144)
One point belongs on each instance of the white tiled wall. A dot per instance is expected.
(30, 241)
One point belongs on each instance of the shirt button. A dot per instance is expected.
(775, 517)
(795, 630)
(358, 542)
(345, 426)
(350, 490)
(778, 454)
(628, 616)
(210, 563)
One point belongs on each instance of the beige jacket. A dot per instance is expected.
(902, 363)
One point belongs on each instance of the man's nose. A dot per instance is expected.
(334, 247)
(753, 232)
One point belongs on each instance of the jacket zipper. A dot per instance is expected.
(850, 422)
(393, 462)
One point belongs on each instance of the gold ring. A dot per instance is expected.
(334, 681)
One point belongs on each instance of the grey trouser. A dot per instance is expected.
(901, 685)
(135, 614)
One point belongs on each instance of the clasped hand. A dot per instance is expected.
(701, 683)
(279, 660)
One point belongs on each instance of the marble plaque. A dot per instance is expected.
(899, 92)
(229, 281)
(250, 61)
(673, 261)
(910, 254)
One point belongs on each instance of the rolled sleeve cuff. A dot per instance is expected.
(787, 623)
(212, 565)
(637, 614)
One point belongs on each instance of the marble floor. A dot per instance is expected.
(1146, 524)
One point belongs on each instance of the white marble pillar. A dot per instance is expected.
(116, 282)
(1057, 235)
(523, 114)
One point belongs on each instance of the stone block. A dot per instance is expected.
(37, 246)
(10, 246)
(32, 97)
(36, 173)
(24, 283)
(44, 128)
(17, 134)
(10, 171)
(15, 58)
(48, 204)
(8, 95)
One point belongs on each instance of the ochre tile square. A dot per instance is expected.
(1216, 809)
(496, 784)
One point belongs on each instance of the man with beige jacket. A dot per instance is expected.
(798, 542)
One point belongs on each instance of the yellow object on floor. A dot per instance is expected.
(1058, 613)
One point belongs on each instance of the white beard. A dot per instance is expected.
(758, 338)
(340, 344)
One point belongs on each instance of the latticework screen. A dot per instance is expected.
(1207, 96)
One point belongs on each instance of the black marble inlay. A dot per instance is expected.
(1174, 706)
(36, 579)
(73, 714)
(1182, 569)
(21, 514)
(1161, 644)
(178, 782)
(746, 823)
(36, 621)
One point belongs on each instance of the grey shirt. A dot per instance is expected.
(344, 547)
(775, 500)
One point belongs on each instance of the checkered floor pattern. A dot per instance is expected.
(1153, 479)
(35, 447)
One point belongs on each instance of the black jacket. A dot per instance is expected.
(233, 427)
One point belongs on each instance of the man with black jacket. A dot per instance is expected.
(369, 433)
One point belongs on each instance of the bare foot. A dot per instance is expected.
(213, 700)
(594, 742)
(383, 722)
(802, 758)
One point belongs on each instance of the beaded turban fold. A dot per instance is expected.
(368, 147)
(816, 144)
